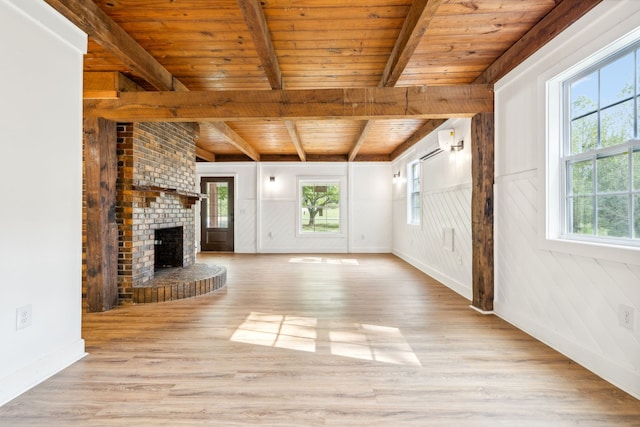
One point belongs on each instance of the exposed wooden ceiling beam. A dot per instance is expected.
(363, 135)
(106, 85)
(257, 24)
(87, 16)
(100, 85)
(415, 24)
(310, 104)
(295, 138)
(99, 26)
(233, 138)
(414, 27)
(205, 155)
(561, 17)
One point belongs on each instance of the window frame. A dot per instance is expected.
(628, 147)
(414, 213)
(549, 107)
(338, 181)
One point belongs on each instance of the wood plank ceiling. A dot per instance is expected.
(303, 51)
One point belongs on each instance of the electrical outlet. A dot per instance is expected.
(626, 316)
(23, 317)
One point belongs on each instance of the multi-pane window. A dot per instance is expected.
(217, 202)
(319, 207)
(413, 193)
(601, 150)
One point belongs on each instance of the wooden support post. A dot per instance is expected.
(100, 163)
(482, 171)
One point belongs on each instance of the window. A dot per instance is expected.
(413, 193)
(319, 207)
(600, 152)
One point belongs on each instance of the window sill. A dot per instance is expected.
(598, 250)
(320, 235)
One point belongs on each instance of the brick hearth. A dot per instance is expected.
(177, 283)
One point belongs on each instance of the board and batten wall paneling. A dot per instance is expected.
(370, 187)
(447, 215)
(566, 298)
(266, 211)
(441, 245)
(279, 207)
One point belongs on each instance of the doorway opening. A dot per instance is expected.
(216, 214)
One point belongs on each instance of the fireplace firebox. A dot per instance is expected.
(168, 248)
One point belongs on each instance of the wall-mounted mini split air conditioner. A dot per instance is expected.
(447, 140)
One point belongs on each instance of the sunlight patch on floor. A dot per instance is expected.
(282, 331)
(358, 341)
(373, 342)
(320, 260)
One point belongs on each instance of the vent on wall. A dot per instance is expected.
(431, 153)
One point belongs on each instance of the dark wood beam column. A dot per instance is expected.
(482, 172)
(101, 243)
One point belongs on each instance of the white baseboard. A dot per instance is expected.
(33, 374)
(449, 282)
(369, 250)
(480, 310)
(619, 376)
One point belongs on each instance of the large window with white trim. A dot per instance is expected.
(319, 207)
(600, 153)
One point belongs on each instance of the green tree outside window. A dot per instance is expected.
(602, 160)
(320, 204)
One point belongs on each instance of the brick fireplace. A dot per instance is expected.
(155, 193)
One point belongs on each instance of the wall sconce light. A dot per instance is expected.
(446, 140)
(272, 179)
(396, 177)
(459, 146)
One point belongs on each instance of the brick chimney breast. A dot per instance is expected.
(156, 168)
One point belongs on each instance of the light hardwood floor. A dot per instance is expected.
(324, 340)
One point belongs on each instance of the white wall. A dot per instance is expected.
(446, 204)
(370, 213)
(278, 207)
(244, 174)
(265, 220)
(41, 193)
(563, 298)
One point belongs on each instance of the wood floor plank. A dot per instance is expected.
(317, 340)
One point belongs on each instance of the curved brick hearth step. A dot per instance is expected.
(177, 283)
